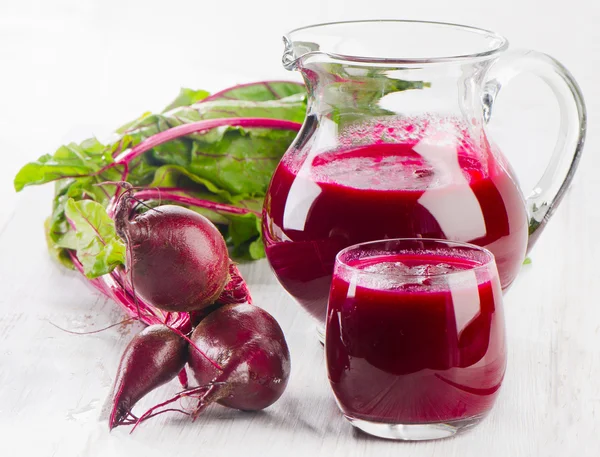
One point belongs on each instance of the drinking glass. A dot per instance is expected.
(415, 338)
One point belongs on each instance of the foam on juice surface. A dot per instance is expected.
(377, 167)
(410, 274)
(380, 154)
(402, 269)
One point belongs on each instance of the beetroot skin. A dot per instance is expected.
(153, 357)
(247, 342)
(177, 257)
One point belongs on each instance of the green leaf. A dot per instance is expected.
(177, 176)
(68, 161)
(57, 252)
(527, 261)
(240, 161)
(58, 230)
(228, 165)
(245, 235)
(228, 161)
(354, 92)
(243, 228)
(218, 219)
(261, 91)
(292, 108)
(534, 224)
(125, 127)
(257, 249)
(187, 97)
(220, 178)
(99, 249)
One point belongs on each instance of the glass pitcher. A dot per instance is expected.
(395, 145)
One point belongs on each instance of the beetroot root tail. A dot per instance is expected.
(196, 392)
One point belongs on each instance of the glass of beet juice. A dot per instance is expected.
(415, 338)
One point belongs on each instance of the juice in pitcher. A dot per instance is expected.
(399, 177)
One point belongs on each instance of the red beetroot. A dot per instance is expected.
(153, 357)
(247, 342)
(178, 259)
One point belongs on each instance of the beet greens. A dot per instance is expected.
(212, 154)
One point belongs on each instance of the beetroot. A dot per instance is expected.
(153, 357)
(177, 258)
(247, 342)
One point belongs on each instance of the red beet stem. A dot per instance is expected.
(179, 196)
(202, 353)
(113, 287)
(183, 378)
(221, 93)
(194, 127)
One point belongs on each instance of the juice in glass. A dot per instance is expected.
(415, 339)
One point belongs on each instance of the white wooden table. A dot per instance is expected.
(68, 65)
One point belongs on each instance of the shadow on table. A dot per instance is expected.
(319, 416)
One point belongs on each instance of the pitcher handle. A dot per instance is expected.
(550, 189)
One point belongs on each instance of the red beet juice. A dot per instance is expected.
(426, 350)
(408, 180)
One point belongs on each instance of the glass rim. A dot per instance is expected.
(490, 258)
(502, 43)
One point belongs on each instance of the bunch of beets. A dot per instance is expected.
(178, 262)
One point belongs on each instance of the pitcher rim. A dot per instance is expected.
(502, 44)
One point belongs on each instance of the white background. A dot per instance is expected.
(69, 68)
